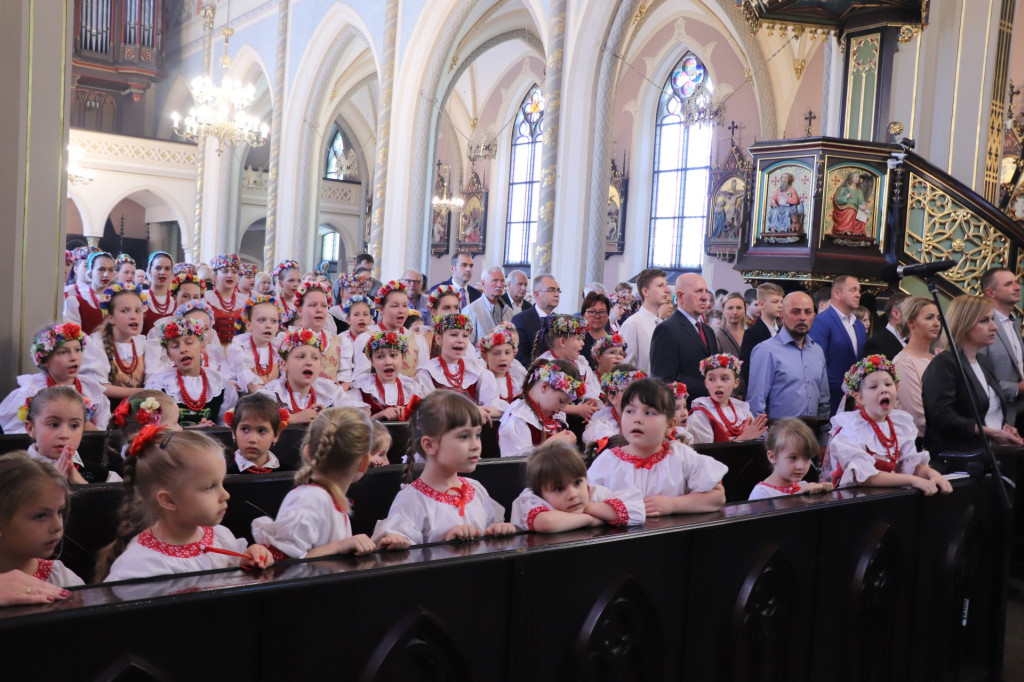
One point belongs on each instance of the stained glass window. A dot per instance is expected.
(682, 165)
(339, 162)
(524, 179)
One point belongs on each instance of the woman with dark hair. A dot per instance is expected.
(595, 311)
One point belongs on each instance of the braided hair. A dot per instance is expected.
(338, 439)
(107, 333)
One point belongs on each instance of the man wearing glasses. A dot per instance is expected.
(546, 294)
(638, 328)
(417, 299)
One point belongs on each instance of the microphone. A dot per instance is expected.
(892, 271)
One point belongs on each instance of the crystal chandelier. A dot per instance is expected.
(219, 110)
(701, 108)
(443, 202)
(482, 145)
(76, 174)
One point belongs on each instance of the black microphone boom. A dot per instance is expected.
(891, 271)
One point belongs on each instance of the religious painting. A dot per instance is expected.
(785, 192)
(440, 217)
(728, 205)
(851, 213)
(615, 222)
(473, 221)
(1016, 207)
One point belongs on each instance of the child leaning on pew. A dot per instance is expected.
(174, 501)
(313, 519)
(33, 511)
(558, 496)
(673, 478)
(255, 424)
(791, 446)
(874, 445)
(441, 505)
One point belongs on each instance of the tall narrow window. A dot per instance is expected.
(524, 179)
(329, 245)
(340, 164)
(682, 165)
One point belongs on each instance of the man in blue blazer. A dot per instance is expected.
(840, 334)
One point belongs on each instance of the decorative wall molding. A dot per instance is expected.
(99, 146)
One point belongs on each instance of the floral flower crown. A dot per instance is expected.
(282, 266)
(187, 278)
(185, 269)
(494, 339)
(353, 281)
(299, 337)
(147, 411)
(252, 302)
(310, 285)
(385, 341)
(90, 410)
(854, 377)
(179, 327)
(283, 414)
(359, 298)
(720, 361)
(123, 258)
(457, 321)
(441, 290)
(565, 325)
(551, 375)
(225, 261)
(93, 256)
(114, 289)
(385, 289)
(679, 390)
(194, 304)
(51, 338)
(617, 380)
(248, 270)
(82, 252)
(607, 342)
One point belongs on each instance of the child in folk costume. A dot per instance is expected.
(116, 354)
(673, 478)
(874, 444)
(313, 520)
(539, 415)
(389, 394)
(213, 357)
(606, 421)
(124, 269)
(348, 287)
(312, 299)
(791, 446)
(55, 420)
(252, 356)
(300, 389)
(33, 511)
(57, 352)
(562, 336)
(84, 308)
(287, 275)
(246, 278)
(78, 281)
(185, 287)
(224, 298)
(498, 350)
(451, 370)
(717, 418)
(255, 423)
(558, 496)
(392, 303)
(159, 299)
(174, 502)
(443, 299)
(682, 394)
(609, 352)
(441, 505)
(359, 311)
(202, 395)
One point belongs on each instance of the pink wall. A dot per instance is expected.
(808, 98)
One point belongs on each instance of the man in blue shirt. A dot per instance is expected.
(787, 372)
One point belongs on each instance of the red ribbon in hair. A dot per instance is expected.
(229, 418)
(410, 407)
(120, 415)
(285, 416)
(148, 433)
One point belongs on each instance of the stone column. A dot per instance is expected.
(549, 156)
(275, 134)
(380, 168)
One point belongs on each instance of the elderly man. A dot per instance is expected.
(417, 299)
(462, 272)
(490, 310)
(840, 334)
(683, 340)
(515, 292)
(787, 372)
(546, 295)
(1006, 354)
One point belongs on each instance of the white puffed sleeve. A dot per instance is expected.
(514, 435)
(601, 425)
(700, 472)
(306, 520)
(407, 517)
(71, 311)
(699, 426)
(526, 507)
(627, 503)
(95, 363)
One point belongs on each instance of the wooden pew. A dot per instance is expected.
(748, 465)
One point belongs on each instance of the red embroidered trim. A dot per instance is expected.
(130, 369)
(787, 489)
(380, 391)
(189, 551)
(157, 308)
(454, 380)
(43, 569)
(276, 553)
(461, 500)
(261, 370)
(532, 516)
(291, 397)
(257, 470)
(189, 401)
(620, 510)
(643, 462)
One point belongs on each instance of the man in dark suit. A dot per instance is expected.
(888, 340)
(515, 292)
(682, 341)
(767, 325)
(1006, 355)
(546, 295)
(840, 334)
(462, 272)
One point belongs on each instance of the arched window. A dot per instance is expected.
(340, 163)
(524, 179)
(682, 165)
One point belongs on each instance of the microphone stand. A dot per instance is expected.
(1004, 498)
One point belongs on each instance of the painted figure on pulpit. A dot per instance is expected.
(850, 209)
(785, 209)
